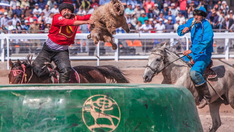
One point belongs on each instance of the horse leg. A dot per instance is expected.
(231, 96)
(215, 116)
(109, 38)
(125, 27)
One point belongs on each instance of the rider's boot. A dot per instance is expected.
(203, 91)
(64, 77)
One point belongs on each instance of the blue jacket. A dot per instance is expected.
(201, 38)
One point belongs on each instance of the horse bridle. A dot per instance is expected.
(16, 72)
(156, 71)
(152, 69)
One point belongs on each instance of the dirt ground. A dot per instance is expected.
(134, 71)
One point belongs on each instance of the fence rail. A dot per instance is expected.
(12, 44)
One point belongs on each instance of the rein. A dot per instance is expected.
(155, 71)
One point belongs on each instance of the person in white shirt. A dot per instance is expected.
(160, 27)
(173, 9)
(15, 19)
(13, 3)
(146, 27)
(51, 3)
(47, 10)
(181, 18)
(49, 18)
(37, 11)
(4, 20)
(55, 9)
(138, 10)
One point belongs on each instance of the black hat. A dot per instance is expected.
(201, 11)
(66, 5)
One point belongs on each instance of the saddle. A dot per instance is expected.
(54, 74)
(209, 73)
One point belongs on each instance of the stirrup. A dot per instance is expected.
(203, 103)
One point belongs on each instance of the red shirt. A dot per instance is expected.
(62, 32)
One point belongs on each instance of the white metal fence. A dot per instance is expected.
(13, 44)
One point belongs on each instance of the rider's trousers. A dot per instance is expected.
(61, 60)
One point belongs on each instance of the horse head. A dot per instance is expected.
(19, 71)
(16, 73)
(155, 62)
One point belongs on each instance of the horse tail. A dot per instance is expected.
(112, 73)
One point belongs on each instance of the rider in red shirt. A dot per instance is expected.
(61, 35)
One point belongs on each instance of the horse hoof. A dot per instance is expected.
(89, 36)
(114, 32)
(114, 46)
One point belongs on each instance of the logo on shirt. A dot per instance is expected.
(67, 31)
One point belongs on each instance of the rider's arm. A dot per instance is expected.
(207, 38)
(59, 20)
(186, 25)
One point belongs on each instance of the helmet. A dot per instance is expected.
(201, 11)
(66, 5)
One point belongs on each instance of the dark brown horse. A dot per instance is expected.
(22, 72)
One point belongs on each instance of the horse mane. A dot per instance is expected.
(175, 56)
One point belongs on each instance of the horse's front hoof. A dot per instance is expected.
(114, 46)
(114, 32)
(89, 36)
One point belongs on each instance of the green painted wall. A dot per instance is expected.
(98, 107)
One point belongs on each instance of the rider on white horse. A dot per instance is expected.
(200, 52)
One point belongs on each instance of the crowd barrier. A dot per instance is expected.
(13, 44)
(98, 107)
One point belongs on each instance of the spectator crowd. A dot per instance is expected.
(144, 16)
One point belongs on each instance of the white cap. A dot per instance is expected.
(169, 18)
(165, 5)
(224, 2)
(172, 4)
(150, 19)
(142, 12)
(5, 13)
(155, 4)
(160, 19)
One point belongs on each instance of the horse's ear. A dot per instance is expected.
(10, 63)
(18, 61)
(29, 59)
(165, 44)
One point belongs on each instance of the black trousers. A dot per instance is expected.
(61, 60)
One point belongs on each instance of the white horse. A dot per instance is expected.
(175, 71)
